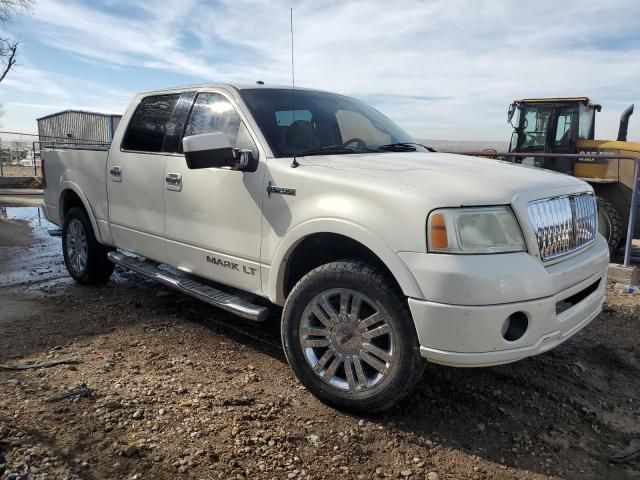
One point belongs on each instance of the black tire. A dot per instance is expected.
(96, 268)
(609, 224)
(406, 364)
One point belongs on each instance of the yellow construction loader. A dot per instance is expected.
(566, 126)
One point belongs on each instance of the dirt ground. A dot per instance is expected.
(17, 233)
(18, 171)
(177, 389)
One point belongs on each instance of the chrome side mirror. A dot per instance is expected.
(246, 162)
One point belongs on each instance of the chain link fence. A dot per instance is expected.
(19, 154)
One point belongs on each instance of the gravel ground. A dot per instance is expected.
(171, 388)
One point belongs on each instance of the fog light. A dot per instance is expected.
(515, 326)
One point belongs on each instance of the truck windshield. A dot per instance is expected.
(310, 122)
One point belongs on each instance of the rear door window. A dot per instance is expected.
(149, 123)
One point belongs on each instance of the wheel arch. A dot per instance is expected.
(71, 196)
(307, 244)
(616, 196)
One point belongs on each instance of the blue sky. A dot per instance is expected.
(442, 69)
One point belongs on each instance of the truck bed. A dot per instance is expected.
(80, 169)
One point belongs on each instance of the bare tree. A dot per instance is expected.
(8, 8)
(9, 46)
(8, 49)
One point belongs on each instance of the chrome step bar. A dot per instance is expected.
(226, 301)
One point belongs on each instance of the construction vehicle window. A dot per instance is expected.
(534, 126)
(563, 129)
(585, 122)
(513, 145)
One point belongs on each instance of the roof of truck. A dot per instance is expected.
(236, 86)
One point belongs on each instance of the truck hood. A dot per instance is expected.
(465, 179)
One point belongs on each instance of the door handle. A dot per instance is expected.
(116, 173)
(173, 181)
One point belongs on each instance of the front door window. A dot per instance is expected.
(212, 112)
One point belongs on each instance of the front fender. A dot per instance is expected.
(275, 282)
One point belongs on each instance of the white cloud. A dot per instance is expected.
(464, 60)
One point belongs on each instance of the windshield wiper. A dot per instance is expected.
(332, 149)
(403, 147)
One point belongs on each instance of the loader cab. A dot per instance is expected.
(551, 125)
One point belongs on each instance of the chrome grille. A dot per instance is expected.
(563, 224)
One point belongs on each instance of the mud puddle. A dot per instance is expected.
(27, 252)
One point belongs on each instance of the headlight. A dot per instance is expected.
(474, 230)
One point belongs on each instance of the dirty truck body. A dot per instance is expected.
(381, 252)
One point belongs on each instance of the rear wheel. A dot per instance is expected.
(350, 338)
(609, 223)
(85, 258)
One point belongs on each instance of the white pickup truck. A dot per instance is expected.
(382, 252)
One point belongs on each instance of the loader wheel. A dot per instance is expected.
(85, 258)
(609, 224)
(350, 339)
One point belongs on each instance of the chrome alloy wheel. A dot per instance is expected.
(347, 340)
(76, 244)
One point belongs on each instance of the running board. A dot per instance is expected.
(55, 232)
(226, 301)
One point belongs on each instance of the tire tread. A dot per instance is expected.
(617, 230)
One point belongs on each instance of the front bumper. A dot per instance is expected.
(472, 334)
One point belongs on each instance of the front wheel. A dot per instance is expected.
(350, 339)
(85, 258)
